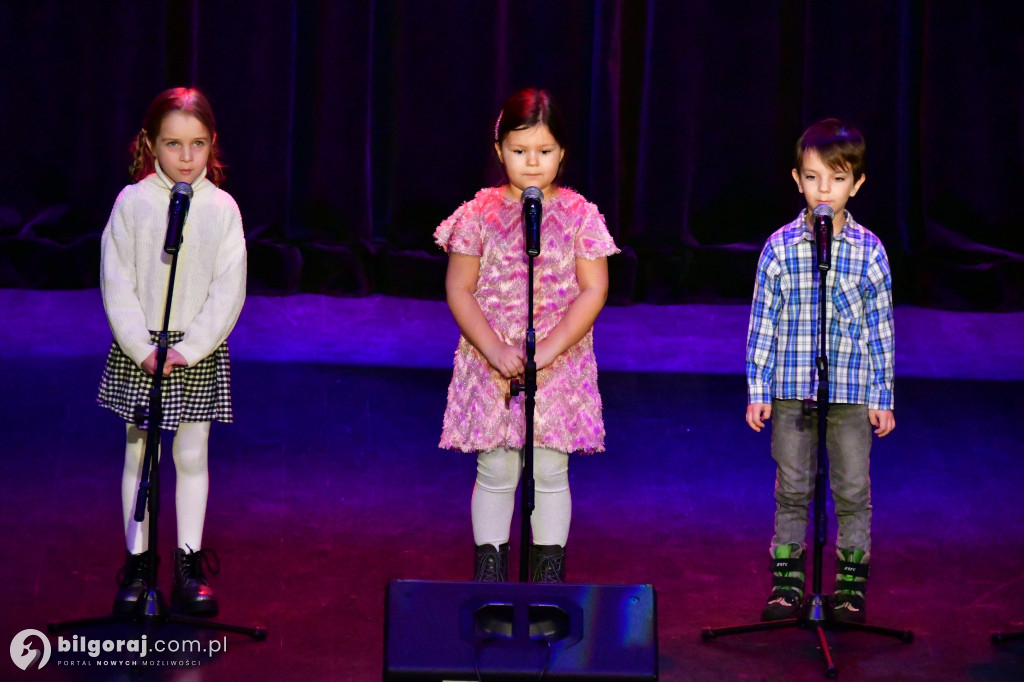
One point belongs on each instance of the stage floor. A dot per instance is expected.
(330, 484)
(383, 331)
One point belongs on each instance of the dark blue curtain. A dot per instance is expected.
(352, 129)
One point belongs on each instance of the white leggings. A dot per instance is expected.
(191, 486)
(494, 496)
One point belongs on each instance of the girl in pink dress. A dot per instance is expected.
(487, 293)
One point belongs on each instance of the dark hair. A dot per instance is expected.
(527, 108)
(189, 101)
(839, 144)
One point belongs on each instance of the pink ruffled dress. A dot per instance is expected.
(480, 415)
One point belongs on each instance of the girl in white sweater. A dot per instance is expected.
(177, 143)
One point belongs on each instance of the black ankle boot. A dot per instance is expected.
(547, 564)
(491, 564)
(132, 582)
(192, 594)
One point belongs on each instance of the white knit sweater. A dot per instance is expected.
(209, 283)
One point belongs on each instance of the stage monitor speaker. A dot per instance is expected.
(448, 631)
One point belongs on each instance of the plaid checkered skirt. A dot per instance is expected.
(190, 394)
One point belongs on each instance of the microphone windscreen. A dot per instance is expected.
(182, 188)
(824, 210)
(533, 193)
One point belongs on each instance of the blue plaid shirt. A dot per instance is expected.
(783, 338)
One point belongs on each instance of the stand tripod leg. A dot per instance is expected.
(830, 666)
(710, 633)
(150, 611)
(1003, 637)
(257, 633)
(903, 635)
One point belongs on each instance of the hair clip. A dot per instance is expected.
(497, 124)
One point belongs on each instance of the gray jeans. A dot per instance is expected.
(795, 451)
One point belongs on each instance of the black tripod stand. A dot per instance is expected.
(532, 198)
(151, 609)
(816, 611)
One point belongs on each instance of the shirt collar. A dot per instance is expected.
(797, 231)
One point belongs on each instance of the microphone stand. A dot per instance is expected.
(816, 611)
(151, 609)
(529, 387)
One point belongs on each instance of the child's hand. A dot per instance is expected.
(883, 420)
(149, 364)
(174, 359)
(544, 354)
(758, 414)
(506, 359)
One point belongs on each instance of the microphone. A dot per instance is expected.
(823, 215)
(181, 196)
(532, 198)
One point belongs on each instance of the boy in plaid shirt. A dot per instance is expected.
(782, 344)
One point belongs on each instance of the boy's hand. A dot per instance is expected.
(758, 414)
(883, 420)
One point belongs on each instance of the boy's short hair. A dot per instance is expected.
(839, 144)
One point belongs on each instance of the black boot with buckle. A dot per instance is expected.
(491, 564)
(192, 593)
(132, 582)
(547, 564)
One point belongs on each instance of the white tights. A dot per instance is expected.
(494, 496)
(191, 487)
